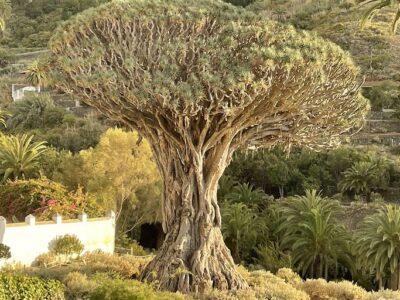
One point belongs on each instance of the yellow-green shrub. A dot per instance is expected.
(126, 266)
(344, 290)
(18, 286)
(263, 286)
(78, 286)
(131, 289)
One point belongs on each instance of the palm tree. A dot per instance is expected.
(241, 228)
(29, 112)
(247, 194)
(313, 233)
(377, 244)
(376, 5)
(364, 177)
(37, 74)
(19, 155)
(5, 11)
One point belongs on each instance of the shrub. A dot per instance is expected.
(5, 252)
(6, 57)
(134, 247)
(78, 286)
(126, 266)
(289, 276)
(46, 259)
(264, 286)
(21, 287)
(320, 289)
(68, 245)
(44, 198)
(130, 289)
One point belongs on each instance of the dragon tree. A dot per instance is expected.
(200, 79)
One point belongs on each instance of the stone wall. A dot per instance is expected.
(30, 239)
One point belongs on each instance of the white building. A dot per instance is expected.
(18, 91)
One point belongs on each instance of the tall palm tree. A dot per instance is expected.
(247, 194)
(37, 74)
(375, 5)
(377, 244)
(363, 177)
(241, 228)
(313, 233)
(19, 155)
(5, 11)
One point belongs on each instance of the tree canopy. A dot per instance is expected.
(177, 65)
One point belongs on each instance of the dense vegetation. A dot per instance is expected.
(331, 214)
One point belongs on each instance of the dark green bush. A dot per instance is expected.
(5, 252)
(20, 287)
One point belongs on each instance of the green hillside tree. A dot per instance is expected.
(377, 245)
(199, 80)
(313, 233)
(19, 155)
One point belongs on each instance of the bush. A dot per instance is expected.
(78, 286)
(132, 245)
(67, 245)
(264, 286)
(20, 287)
(44, 198)
(125, 266)
(320, 289)
(132, 290)
(6, 57)
(45, 260)
(5, 252)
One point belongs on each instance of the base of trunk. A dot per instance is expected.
(178, 268)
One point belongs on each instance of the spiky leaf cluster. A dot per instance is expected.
(206, 72)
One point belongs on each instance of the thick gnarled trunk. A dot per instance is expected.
(194, 256)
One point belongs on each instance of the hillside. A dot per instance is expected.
(373, 48)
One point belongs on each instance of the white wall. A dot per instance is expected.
(30, 239)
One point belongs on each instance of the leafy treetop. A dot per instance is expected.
(204, 67)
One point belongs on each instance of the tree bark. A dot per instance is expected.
(194, 256)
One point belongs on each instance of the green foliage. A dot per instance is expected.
(37, 73)
(242, 228)
(272, 258)
(313, 223)
(6, 57)
(377, 244)
(128, 289)
(34, 21)
(3, 116)
(17, 286)
(5, 252)
(37, 114)
(365, 176)
(248, 195)
(385, 95)
(67, 245)
(19, 156)
(33, 112)
(44, 198)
